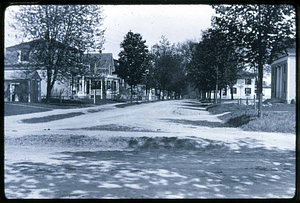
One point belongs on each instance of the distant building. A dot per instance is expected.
(246, 87)
(98, 76)
(283, 82)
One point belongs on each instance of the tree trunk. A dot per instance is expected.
(259, 85)
(131, 92)
(231, 92)
(203, 93)
(49, 86)
(158, 94)
(260, 66)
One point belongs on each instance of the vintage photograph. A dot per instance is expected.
(191, 101)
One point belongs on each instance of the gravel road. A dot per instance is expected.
(153, 150)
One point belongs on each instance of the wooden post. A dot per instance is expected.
(254, 102)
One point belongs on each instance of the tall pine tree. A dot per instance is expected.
(133, 59)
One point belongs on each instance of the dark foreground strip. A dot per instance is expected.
(46, 119)
(113, 127)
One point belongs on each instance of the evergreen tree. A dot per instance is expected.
(133, 59)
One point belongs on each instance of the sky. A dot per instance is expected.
(177, 23)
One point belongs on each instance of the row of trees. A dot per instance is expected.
(214, 63)
(162, 68)
(242, 36)
(258, 33)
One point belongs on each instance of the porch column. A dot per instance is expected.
(102, 86)
(118, 86)
(10, 92)
(278, 82)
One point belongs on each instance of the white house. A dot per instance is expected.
(283, 82)
(246, 87)
(98, 77)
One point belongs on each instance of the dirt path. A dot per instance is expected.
(155, 150)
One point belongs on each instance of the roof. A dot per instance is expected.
(31, 44)
(20, 75)
(245, 74)
(103, 60)
(288, 52)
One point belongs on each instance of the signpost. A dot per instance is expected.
(96, 86)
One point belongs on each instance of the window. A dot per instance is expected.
(92, 67)
(114, 86)
(233, 90)
(248, 81)
(247, 91)
(19, 55)
(24, 56)
(108, 85)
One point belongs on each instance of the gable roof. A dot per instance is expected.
(103, 60)
(21, 75)
(245, 74)
(29, 45)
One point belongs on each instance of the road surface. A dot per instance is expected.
(165, 149)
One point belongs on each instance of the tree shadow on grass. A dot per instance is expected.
(240, 120)
(198, 123)
(193, 109)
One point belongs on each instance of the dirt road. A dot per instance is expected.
(154, 150)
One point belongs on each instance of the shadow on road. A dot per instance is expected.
(214, 170)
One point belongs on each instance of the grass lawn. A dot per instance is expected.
(277, 117)
(17, 108)
(51, 118)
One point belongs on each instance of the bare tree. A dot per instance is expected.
(60, 35)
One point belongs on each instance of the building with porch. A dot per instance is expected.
(283, 77)
(22, 86)
(97, 78)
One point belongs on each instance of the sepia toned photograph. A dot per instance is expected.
(190, 101)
